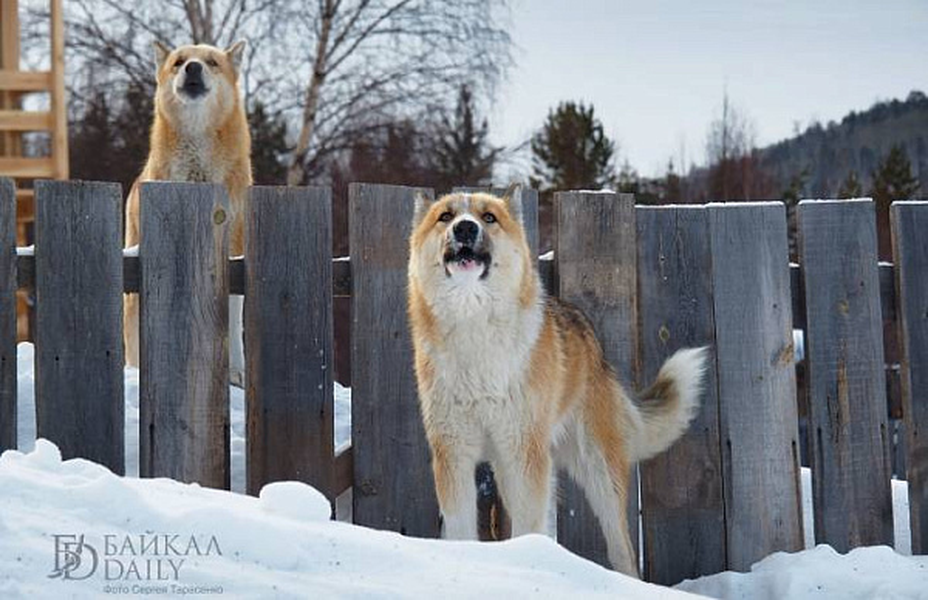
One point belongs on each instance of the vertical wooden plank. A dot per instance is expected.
(596, 264)
(288, 336)
(849, 450)
(8, 412)
(79, 400)
(393, 486)
(758, 420)
(683, 512)
(910, 255)
(184, 320)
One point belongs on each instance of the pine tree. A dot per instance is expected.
(571, 151)
(850, 187)
(93, 141)
(269, 146)
(461, 154)
(893, 179)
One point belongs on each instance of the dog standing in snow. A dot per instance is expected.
(199, 134)
(509, 375)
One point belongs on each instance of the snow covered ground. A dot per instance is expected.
(160, 537)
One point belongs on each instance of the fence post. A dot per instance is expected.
(910, 255)
(683, 512)
(849, 445)
(8, 414)
(596, 267)
(758, 420)
(393, 486)
(184, 314)
(288, 336)
(80, 403)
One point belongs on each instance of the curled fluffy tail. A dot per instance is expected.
(668, 406)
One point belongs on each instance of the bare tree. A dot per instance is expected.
(381, 59)
(335, 69)
(732, 157)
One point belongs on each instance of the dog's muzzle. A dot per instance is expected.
(465, 251)
(194, 85)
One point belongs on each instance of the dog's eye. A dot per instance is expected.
(489, 217)
(179, 62)
(446, 216)
(212, 62)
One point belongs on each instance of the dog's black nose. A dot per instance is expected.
(194, 68)
(465, 232)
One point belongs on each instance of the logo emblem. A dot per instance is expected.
(74, 558)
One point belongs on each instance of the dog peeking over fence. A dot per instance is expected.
(199, 134)
(509, 375)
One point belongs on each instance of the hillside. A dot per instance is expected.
(856, 144)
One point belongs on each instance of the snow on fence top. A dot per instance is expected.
(651, 280)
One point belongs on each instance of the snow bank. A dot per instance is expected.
(865, 573)
(27, 432)
(278, 545)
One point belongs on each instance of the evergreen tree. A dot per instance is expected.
(269, 146)
(461, 154)
(850, 187)
(93, 142)
(893, 179)
(571, 151)
(133, 129)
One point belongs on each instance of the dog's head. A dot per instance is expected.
(197, 83)
(471, 244)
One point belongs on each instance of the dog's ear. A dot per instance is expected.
(513, 199)
(235, 52)
(161, 54)
(422, 204)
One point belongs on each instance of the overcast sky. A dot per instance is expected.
(656, 70)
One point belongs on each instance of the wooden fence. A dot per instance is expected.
(652, 279)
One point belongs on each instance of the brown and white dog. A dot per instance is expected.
(509, 375)
(199, 134)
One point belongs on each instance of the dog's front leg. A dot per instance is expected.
(453, 465)
(523, 475)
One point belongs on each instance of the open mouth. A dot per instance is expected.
(467, 260)
(194, 88)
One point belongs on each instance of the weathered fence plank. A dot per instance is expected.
(288, 337)
(8, 413)
(596, 269)
(393, 480)
(184, 313)
(757, 381)
(79, 401)
(683, 512)
(910, 255)
(849, 447)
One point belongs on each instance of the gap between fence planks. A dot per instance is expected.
(849, 444)
(393, 479)
(758, 421)
(910, 254)
(288, 337)
(79, 397)
(8, 411)
(596, 268)
(184, 370)
(683, 512)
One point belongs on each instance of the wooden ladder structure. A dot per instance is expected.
(14, 122)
